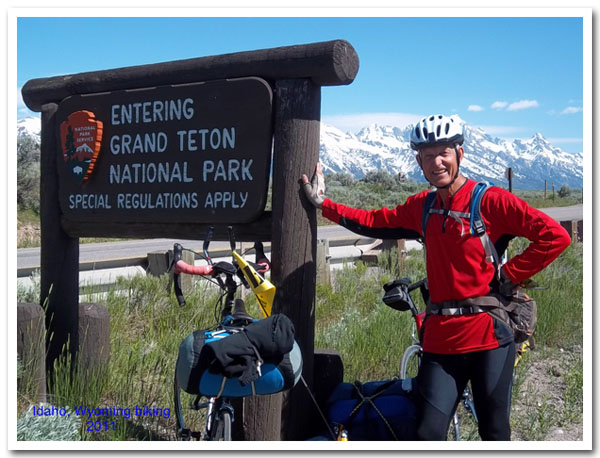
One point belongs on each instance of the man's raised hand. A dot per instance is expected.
(315, 188)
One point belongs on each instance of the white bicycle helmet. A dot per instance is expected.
(436, 129)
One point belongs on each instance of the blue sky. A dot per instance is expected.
(511, 76)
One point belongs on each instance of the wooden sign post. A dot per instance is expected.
(165, 150)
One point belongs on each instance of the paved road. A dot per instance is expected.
(30, 257)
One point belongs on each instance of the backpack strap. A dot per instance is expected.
(427, 210)
(476, 196)
(477, 226)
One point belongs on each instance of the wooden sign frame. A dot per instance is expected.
(296, 75)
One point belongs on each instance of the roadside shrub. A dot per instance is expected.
(28, 174)
(32, 427)
(564, 191)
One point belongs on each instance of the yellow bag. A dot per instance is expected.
(263, 289)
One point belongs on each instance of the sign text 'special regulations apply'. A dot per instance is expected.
(190, 153)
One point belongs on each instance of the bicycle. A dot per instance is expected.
(233, 319)
(397, 296)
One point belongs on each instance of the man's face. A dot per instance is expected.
(439, 163)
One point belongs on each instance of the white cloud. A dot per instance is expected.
(571, 110)
(522, 105)
(475, 108)
(355, 122)
(498, 105)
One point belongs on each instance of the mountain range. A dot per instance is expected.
(486, 158)
(388, 148)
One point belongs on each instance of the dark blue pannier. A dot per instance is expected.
(374, 411)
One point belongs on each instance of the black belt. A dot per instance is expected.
(456, 310)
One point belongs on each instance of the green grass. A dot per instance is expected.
(560, 304)
(147, 326)
(536, 198)
(371, 337)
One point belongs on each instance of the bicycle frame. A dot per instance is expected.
(219, 411)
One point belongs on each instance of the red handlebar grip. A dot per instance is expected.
(263, 266)
(183, 268)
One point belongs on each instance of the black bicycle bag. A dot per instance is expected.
(261, 358)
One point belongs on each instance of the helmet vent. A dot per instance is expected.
(438, 130)
(447, 128)
(425, 133)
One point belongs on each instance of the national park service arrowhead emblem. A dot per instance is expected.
(81, 138)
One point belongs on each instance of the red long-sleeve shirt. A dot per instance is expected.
(456, 264)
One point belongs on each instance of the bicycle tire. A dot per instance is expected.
(221, 428)
(454, 429)
(407, 358)
(226, 419)
(179, 421)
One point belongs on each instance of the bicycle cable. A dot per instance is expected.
(323, 417)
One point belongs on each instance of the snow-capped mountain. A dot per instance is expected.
(388, 148)
(29, 127)
(486, 158)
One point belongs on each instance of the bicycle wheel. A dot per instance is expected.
(409, 365)
(226, 419)
(221, 428)
(181, 430)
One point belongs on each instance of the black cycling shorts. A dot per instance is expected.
(442, 379)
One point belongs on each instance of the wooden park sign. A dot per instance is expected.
(188, 153)
(168, 149)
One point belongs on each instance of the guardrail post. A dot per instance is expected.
(323, 262)
(572, 229)
(94, 336)
(160, 261)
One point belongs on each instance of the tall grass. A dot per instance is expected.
(371, 337)
(354, 305)
(352, 319)
(146, 327)
(559, 299)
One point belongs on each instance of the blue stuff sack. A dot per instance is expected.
(374, 411)
(279, 373)
(275, 378)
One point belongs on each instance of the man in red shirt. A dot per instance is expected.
(464, 346)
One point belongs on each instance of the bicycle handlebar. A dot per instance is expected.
(416, 285)
(181, 267)
(261, 266)
(177, 254)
